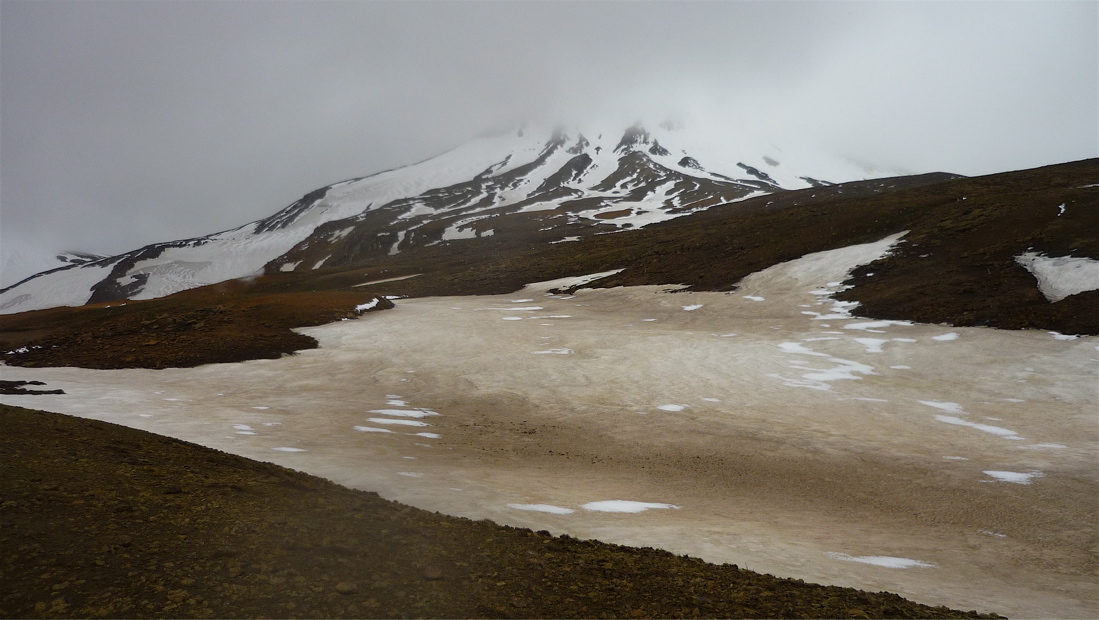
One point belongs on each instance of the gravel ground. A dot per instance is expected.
(99, 520)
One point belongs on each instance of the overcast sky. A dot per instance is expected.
(128, 123)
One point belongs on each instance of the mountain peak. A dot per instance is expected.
(529, 184)
(634, 136)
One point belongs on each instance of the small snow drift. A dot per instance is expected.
(621, 505)
(881, 560)
(551, 509)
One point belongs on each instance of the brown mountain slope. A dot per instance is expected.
(956, 266)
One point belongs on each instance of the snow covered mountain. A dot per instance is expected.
(560, 185)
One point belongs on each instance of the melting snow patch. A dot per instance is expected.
(873, 326)
(1039, 446)
(845, 370)
(427, 435)
(944, 406)
(1059, 277)
(285, 449)
(797, 347)
(881, 560)
(396, 403)
(902, 367)
(672, 407)
(553, 352)
(692, 307)
(712, 400)
(513, 318)
(995, 430)
(367, 306)
(1014, 476)
(401, 422)
(576, 281)
(557, 510)
(1013, 400)
(404, 413)
(261, 408)
(521, 301)
(873, 345)
(371, 429)
(955, 458)
(1060, 336)
(754, 297)
(946, 337)
(990, 533)
(621, 505)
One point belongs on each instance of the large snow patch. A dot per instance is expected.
(1061, 276)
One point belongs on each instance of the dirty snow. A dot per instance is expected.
(418, 413)
(1014, 476)
(400, 422)
(944, 406)
(371, 429)
(873, 345)
(995, 430)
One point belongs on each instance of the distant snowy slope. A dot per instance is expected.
(580, 182)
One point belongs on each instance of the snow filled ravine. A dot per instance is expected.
(770, 427)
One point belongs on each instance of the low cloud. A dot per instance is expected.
(129, 123)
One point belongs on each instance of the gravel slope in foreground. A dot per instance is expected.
(99, 520)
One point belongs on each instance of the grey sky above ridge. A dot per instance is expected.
(127, 123)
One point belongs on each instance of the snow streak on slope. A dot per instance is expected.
(581, 181)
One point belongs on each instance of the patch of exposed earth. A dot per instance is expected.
(767, 427)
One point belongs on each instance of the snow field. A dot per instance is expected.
(872, 392)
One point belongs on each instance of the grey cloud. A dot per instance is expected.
(126, 123)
